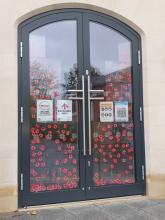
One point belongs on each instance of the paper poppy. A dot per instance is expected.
(34, 154)
(100, 150)
(111, 137)
(42, 147)
(57, 141)
(69, 173)
(65, 125)
(40, 159)
(32, 161)
(115, 161)
(70, 156)
(105, 160)
(65, 161)
(55, 126)
(67, 133)
(110, 155)
(104, 153)
(37, 164)
(105, 170)
(72, 139)
(57, 162)
(43, 128)
(112, 166)
(33, 148)
(74, 170)
(118, 155)
(64, 170)
(74, 161)
(39, 153)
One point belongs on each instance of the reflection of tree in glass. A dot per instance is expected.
(97, 78)
(71, 78)
(94, 71)
(43, 80)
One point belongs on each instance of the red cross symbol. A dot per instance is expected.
(64, 106)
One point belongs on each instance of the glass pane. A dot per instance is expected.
(54, 162)
(112, 118)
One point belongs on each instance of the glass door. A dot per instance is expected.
(81, 125)
(53, 101)
(114, 164)
(112, 130)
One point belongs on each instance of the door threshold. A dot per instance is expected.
(82, 203)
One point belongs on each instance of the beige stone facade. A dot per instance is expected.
(147, 17)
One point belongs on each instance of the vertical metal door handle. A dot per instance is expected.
(83, 100)
(83, 103)
(89, 110)
(89, 115)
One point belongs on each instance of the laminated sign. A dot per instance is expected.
(64, 110)
(44, 110)
(106, 111)
(121, 111)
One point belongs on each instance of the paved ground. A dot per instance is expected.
(140, 209)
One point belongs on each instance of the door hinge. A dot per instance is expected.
(21, 49)
(21, 114)
(89, 188)
(143, 172)
(21, 181)
(141, 114)
(139, 57)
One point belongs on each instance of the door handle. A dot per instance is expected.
(75, 98)
(97, 90)
(89, 110)
(96, 98)
(83, 103)
(83, 96)
(89, 115)
(75, 90)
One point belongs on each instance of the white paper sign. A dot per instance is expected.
(64, 110)
(44, 110)
(106, 112)
(121, 111)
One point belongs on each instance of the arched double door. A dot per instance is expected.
(80, 108)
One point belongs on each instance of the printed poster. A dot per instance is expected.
(121, 111)
(106, 112)
(64, 110)
(44, 110)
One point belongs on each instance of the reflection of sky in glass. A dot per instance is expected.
(109, 50)
(55, 46)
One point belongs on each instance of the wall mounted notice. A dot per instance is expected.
(106, 112)
(64, 110)
(121, 111)
(44, 110)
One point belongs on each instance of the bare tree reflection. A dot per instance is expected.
(71, 78)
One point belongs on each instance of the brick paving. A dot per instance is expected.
(139, 209)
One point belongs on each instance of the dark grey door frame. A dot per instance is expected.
(139, 186)
(83, 17)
